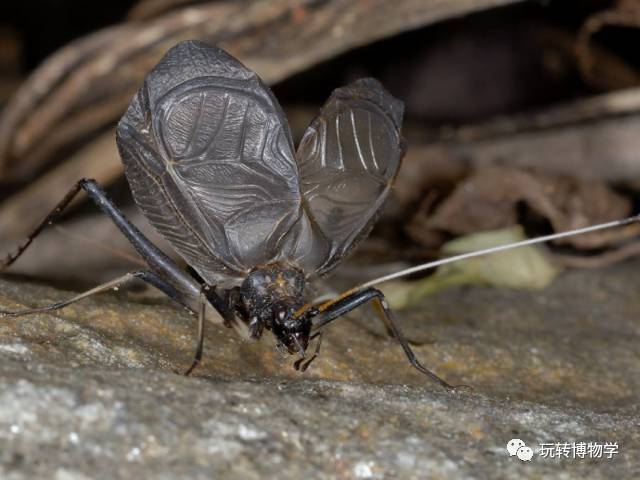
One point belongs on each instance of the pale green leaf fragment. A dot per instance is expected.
(525, 268)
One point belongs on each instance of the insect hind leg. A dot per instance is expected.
(159, 262)
(144, 275)
(164, 273)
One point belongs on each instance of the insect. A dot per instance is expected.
(209, 159)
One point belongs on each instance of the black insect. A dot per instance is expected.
(210, 161)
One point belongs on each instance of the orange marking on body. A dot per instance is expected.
(298, 313)
(328, 303)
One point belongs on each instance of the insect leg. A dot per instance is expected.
(186, 288)
(164, 275)
(300, 364)
(197, 358)
(144, 275)
(48, 220)
(330, 311)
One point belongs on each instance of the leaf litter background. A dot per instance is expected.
(522, 119)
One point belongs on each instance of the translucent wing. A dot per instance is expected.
(208, 155)
(347, 159)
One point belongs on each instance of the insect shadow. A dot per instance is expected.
(209, 159)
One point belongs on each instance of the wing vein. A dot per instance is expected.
(355, 138)
(243, 133)
(339, 143)
(214, 137)
(373, 152)
(196, 123)
(323, 146)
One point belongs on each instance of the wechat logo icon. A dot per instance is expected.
(517, 447)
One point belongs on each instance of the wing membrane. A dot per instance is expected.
(347, 159)
(209, 159)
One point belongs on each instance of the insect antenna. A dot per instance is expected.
(496, 249)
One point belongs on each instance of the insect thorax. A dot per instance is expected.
(271, 293)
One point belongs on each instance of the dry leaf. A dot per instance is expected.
(492, 197)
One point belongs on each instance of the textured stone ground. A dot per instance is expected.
(89, 392)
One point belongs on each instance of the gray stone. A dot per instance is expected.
(89, 392)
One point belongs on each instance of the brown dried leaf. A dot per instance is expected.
(599, 68)
(489, 200)
(146, 9)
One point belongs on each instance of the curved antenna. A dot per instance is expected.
(499, 248)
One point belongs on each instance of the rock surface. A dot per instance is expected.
(89, 392)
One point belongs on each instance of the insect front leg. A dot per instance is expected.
(335, 309)
(301, 364)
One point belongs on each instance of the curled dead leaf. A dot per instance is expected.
(493, 197)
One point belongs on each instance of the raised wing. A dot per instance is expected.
(347, 159)
(209, 158)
